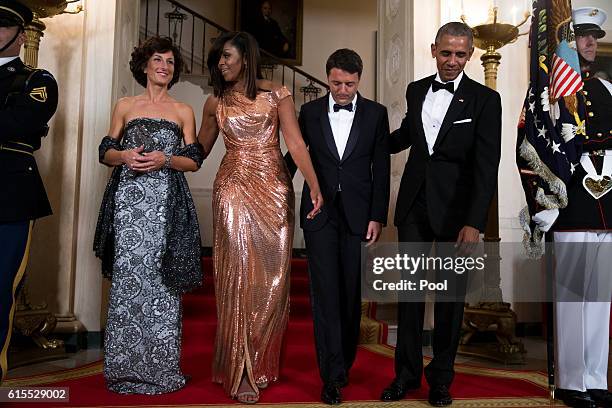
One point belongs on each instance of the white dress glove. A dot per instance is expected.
(546, 218)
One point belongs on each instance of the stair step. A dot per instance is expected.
(300, 307)
(300, 285)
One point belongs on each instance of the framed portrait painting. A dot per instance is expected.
(603, 62)
(275, 24)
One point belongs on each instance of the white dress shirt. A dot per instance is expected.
(434, 110)
(341, 123)
(6, 60)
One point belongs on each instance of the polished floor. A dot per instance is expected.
(72, 360)
(535, 359)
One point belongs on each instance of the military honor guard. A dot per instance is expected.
(582, 326)
(28, 99)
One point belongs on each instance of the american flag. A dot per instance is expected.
(551, 128)
(565, 80)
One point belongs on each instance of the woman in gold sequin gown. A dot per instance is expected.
(253, 218)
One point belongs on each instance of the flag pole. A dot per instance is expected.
(550, 324)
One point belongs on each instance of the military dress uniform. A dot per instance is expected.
(584, 212)
(28, 99)
(583, 238)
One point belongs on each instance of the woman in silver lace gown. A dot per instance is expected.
(147, 234)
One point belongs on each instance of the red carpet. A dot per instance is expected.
(299, 382)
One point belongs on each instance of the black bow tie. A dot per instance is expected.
(449, 86)
(348, 107)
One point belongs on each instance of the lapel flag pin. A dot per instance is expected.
(460, 100)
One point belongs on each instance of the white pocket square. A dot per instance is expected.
(462, 121)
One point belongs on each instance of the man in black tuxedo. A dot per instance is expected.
(453, 126)
(347, 138)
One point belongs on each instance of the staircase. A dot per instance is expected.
(194, 34)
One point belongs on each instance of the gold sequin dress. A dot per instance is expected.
(253, 220)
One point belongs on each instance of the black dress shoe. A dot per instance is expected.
(439, 396)
(602, 398)
(575, 399)
(396, 391)
(330, 394)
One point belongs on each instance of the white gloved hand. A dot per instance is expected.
(546, 218)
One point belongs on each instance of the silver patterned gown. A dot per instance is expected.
(143, 334)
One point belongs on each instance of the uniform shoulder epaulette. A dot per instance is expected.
(43, 72)
(28, 68)
(32, 72)
(23, 77)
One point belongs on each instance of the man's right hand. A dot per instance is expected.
(466, 240)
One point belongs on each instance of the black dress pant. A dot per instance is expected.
(448, 315)
(334, 266)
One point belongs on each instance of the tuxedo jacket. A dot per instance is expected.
(460, 177)
(362, 173)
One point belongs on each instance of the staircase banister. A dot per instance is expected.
(271, 56)
(296, 69)
(196, 14)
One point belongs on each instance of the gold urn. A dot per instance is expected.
(34, 30)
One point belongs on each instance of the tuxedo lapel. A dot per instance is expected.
(326, 128)
(419, 101)
(461, 99)
(355, 128)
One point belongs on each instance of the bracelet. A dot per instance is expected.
(167, 161)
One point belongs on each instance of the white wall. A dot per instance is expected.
(221, 12)
(80, 51)
(96, 84)
(329, 25)
(201, 182)
(50, 269)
